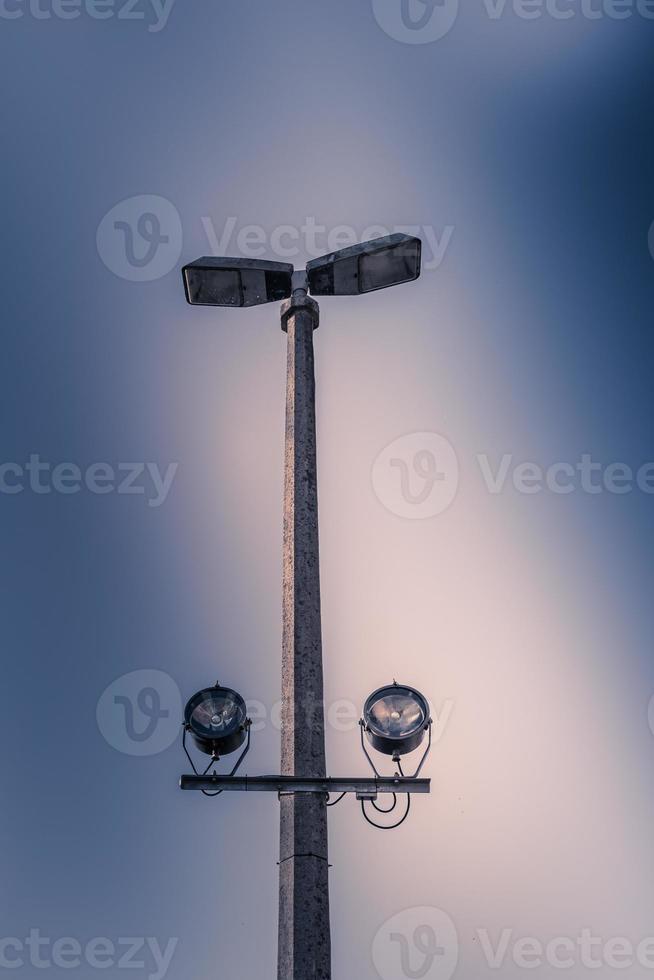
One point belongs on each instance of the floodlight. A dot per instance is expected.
(363, 268)
(214, 281)
(216, 718)
(395, 719)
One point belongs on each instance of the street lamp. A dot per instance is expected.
(216, 717)
(236, 282)
(384, 262)
(364, 268)
(395, 719)
(304, 948)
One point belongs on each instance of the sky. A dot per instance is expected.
(486, 475)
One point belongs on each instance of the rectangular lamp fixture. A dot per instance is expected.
(212, 281)
(364, 268)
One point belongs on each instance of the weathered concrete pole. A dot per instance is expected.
(304, 951)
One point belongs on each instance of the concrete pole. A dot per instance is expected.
(304, 951)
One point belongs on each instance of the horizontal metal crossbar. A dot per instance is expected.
(365, 786)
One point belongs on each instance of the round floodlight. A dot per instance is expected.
(396, 719)
(216, 718)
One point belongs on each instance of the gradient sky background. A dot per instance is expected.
(530, 615)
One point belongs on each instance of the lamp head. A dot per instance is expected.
(213, 281)
(395, 719)
(216, 718)
(364, 268)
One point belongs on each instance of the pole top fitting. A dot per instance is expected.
(299, 301)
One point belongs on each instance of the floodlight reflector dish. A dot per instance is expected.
(216, 717)
(396, 718)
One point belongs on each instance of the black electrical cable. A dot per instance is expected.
(204, 773)
(390, 808)
(206, 792)
(391, 826)
(337, 800)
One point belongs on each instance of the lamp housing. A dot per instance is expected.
(216, 718)
(365, 268)
(395, 719)
(216, 281)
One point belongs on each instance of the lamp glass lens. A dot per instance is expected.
(388, 267)
(219, 715)
(214, 287)
(396, 715)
